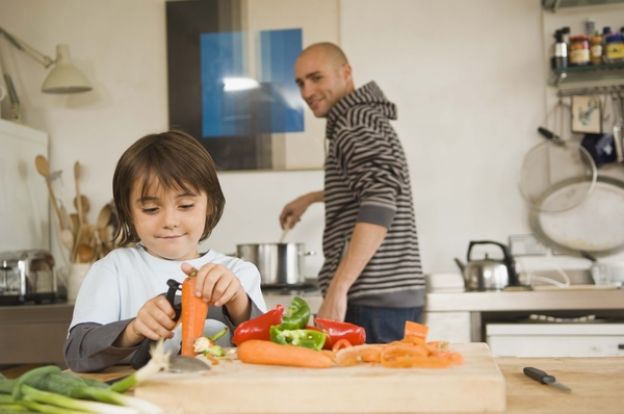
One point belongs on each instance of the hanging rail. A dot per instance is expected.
(593, 90)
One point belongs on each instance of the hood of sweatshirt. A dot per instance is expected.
(367, 95)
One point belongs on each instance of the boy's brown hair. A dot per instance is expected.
(175, 160)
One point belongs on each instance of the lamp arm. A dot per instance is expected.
(44, 60)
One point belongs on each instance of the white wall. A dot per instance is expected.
(468, 78)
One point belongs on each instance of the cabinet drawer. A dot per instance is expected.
(556, 340)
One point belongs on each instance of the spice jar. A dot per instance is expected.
(614, 48)
(596, 49)
(579, 50)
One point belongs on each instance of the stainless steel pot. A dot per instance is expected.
(278, 263)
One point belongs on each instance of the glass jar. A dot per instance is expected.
(596, 49)
(579, 50)
(614, 48)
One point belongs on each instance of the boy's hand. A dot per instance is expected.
(216, 284)
(154, 320)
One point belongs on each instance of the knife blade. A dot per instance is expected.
(544, 378)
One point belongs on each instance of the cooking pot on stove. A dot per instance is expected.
(280, 264)
(486, 273)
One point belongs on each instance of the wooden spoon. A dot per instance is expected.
(286, 230)
(43, 168)
(84, 204)
(102, 221)
(85, 253)
(67, 239)
(78, 198)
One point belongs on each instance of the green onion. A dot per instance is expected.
(32, 394)
(49, 388)
(158, 362)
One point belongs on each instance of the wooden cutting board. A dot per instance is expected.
(236, 388)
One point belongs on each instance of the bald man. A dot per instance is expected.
(372, 274)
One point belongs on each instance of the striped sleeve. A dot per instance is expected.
(371, 166)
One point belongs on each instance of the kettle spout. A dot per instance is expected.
(460, 264)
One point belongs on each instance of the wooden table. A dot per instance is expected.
(597, 385)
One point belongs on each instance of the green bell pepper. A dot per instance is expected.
(297, 315)
(306, 338)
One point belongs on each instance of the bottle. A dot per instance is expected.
(614, 48)
(559, 59)
(590, 27)
(579, 50)
(596, 49)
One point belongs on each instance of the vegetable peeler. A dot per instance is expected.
(142, 355)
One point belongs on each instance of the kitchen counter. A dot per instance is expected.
(463, 316)
(526, 300)
(23, 327)
(597, 385)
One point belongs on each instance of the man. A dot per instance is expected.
(372, 273)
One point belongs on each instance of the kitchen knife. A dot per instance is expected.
(544, 378)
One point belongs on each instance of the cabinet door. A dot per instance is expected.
(24, 204)
(448, 326)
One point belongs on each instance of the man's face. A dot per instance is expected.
(321, 81)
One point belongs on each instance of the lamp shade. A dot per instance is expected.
(64, 76)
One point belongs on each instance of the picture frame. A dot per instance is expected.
(586, 114)
(231, 79)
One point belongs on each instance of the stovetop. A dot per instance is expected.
(289, 288)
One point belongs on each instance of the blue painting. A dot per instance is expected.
(234, 89)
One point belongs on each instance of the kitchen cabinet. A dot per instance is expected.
(556, 339)
(33, 334)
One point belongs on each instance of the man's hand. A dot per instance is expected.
(334, 306)
(292, 212)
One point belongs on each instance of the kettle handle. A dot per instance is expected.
(507, 257)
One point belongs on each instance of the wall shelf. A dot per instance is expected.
(588, 77)
(554, 5)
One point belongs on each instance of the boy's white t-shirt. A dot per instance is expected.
(118, 285)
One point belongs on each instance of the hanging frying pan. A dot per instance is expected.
(547, 170)
(595, 226)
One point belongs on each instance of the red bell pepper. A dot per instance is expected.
(336, 331)
(259, 327)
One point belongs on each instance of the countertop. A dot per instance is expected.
(597, 385)
(29, 323)
(526, 300)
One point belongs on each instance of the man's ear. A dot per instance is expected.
(346, 72)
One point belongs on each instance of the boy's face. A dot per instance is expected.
(169, 223)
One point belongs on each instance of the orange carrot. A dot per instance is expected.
(257, 351)
(194, 313)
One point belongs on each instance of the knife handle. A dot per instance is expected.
(538, 375)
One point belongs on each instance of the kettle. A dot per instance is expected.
(488, 274)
